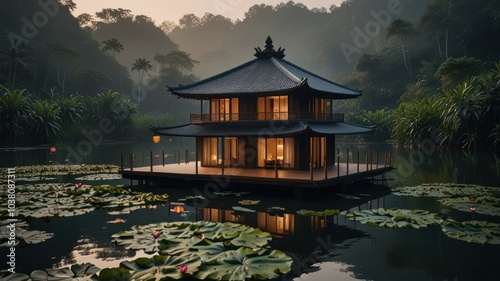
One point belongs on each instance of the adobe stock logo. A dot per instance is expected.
(363, 38)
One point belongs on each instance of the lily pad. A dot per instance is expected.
(484, 204)
(243, 264)
(25, 237)
(249, 202)
(47, 200)
(8, 276)
(99, 177)
(481, 232)
(394, 218)
(161, 267)
(242, 209)
(237, 194)
(441, 190)
(311, 213)
(76, 272)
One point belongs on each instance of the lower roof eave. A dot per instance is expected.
(272, 128)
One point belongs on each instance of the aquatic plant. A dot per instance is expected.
(481, 232)
(394, 218)
(325, 213)
(208, 250)
(47, 200)
(74, 272)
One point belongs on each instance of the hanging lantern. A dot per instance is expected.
(178, 209)
(156, 138)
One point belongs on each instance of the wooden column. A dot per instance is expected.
(376, 161)
(151, 160)
(121, 161)
(222, 160)
(131, 161)
(196, 156)
(311, 166)
(338, 162)
(357, 160)
(347, 161)
(142, 164)
(163, 157)
(326, 168)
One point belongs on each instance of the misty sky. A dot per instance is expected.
(172, 10)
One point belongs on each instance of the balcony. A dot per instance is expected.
(260, 116)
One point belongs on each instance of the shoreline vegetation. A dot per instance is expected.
(72, 82)
(465, 116)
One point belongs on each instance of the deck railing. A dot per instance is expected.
(254, 116)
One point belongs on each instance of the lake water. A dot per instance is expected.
(331, 249)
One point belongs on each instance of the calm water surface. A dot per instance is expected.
(331, 249)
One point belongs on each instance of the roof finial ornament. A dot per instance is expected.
(269, 50)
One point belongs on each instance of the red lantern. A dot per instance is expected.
(53, 150)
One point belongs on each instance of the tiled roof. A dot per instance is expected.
(338, 128)
(268, 74)
(272, 128)
(255, 76)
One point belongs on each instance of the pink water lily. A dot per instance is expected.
(473, 209)
(156, 234)
(78, 185)
(202, 236)
(183, 268)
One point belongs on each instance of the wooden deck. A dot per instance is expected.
(179, 173)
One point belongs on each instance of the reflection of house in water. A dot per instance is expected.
(287, 222)
(272, 223)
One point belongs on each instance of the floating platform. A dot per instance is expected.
(318, 178)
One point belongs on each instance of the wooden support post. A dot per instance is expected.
(326, 169)
(121, 161)
(376, 161)
(357, 160)
(196, 157)
(390, 159)
(385, 158)
(276, 168)
(347, 161)
(151, 160)
(366, 159)
(131, 160)
(186, 156)
(163, 158)
(142, 164)
(371, 160)
(311, 166)
(178, 157)
(223, 155)
(338, 162)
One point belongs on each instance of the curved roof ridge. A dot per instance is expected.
(319, 77)
(287, 72)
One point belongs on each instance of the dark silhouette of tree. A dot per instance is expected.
(403, 30)
(15, 56)
(178, 60)
(62, 55)
(114, 15)
(112, 45)
(142, 66)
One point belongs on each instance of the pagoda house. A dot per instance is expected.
(265, 113)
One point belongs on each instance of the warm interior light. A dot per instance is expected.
(178, 209)
(156, 138)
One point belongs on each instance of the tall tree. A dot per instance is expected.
(142, 66)
(178, 60)
(403, 30)
(62, 55)
(112, 45)
(15, 56)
